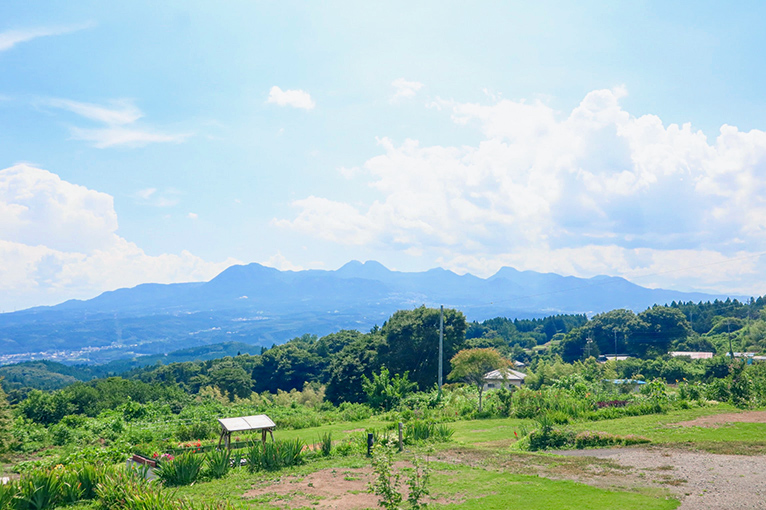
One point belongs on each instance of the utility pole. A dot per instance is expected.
(441, 345)
(728, 333)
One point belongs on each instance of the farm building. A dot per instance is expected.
(503, 378)
(692, 355)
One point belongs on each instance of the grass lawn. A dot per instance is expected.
(461, 486)
(482, 489)
(736, 438)
(490, 481)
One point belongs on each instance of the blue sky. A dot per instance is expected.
(147, 141)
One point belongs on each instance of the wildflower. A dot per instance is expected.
(516, 434)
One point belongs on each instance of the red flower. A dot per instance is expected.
(515, 434)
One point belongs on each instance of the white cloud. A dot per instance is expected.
(121, 111)
(594, 191)
(103, 138)
(192, 216)
(146, 194)
(11, 38)
(151, 196)
(405, 89)
(119, 118)
(59, 240)
(294, 98)
(279, 261)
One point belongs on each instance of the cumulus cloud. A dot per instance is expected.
(11, 38)
(295, 98)
(59, 240)
(118, 118)
(593, 191)
(405, 89)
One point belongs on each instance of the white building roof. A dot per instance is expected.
(504, 374)
(257, 422)
(692, 355)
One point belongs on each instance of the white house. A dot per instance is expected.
(503, 378)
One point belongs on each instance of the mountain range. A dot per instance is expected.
(259, 305)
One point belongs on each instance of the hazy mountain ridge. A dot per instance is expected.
(260, 305)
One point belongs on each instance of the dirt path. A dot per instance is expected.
(337, 489)
(702, 481)
(718, 420)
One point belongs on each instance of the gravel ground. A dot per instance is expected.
(702, 481)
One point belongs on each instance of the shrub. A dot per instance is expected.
(274, 455)
(590, 439)
(8, 494)
(553, 438)
(181, 470)
(443, 433)
(354, 412)
(325, 443)
(218, 463)
(39, 490)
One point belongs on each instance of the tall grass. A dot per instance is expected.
(39, 490)
(418, 431)
(182, 470)
(325, 444)
(274, 455)
(218, 463)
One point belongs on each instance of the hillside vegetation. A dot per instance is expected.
(325, 390)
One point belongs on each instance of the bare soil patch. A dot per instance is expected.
(342, 489)
(702, 481)
(718, 420)
(339, 489)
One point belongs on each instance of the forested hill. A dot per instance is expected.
(262, 306)
(407, 343)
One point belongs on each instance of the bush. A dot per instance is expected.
(354, 412)
(550, 439)
(325, 443)
(182, 470)
(417, 431)
(218, 463)
(40, 490)
(275, 455)
(8, 494)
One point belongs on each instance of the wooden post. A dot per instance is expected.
(401, 442)
(370, 442)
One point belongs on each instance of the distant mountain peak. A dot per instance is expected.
(369, 269)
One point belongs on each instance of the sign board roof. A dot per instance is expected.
(257, 422)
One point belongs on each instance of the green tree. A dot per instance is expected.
(384, 391)
(5, 421)
(287, 367)
(470, 366)
(662, 325)
(347, 369)
(231, 379)
(412, 342)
